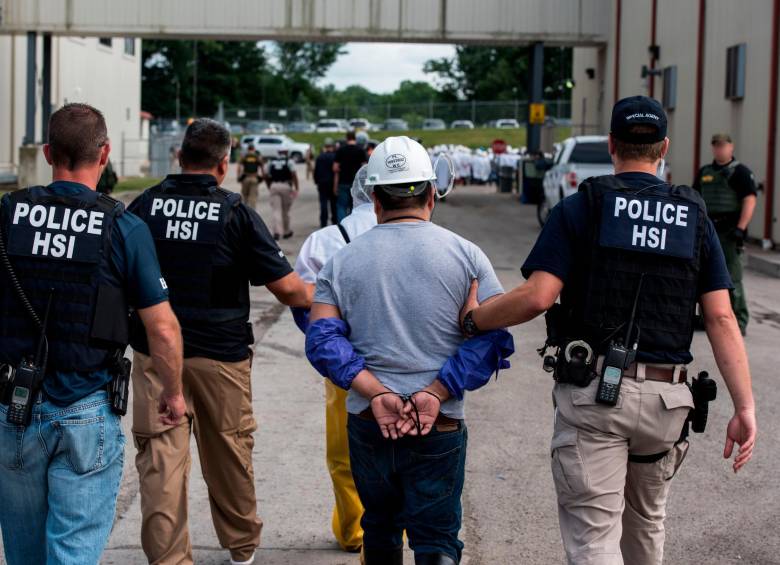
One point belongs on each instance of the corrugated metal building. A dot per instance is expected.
(713, 64)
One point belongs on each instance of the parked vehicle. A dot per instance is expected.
(507, 123)
(269, 146)
(330, 126)
(277, 127)
(360, 123)
(576, 159)
(394, 124)
(259, 126)
(301, 127)
(462, 124)
(433, 124)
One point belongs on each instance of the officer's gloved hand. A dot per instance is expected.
(739, 236)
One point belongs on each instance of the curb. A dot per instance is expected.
(768, 264)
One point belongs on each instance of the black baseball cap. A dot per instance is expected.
(638, 111)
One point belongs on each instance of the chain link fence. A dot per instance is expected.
(481, 114)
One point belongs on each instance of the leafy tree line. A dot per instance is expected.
(250, 74)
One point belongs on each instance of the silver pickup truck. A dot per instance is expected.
(577, 158)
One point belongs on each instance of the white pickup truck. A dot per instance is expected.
(269, 145)
(577, 158)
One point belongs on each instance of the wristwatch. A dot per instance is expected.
(469, 326)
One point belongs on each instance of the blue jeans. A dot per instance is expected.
(344, 202)
(411, 484)
(59, 479)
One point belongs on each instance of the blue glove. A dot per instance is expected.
(330, 352)
(475, 362)
(301, 317)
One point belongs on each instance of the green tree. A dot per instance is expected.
(300, 65)
(499, 73)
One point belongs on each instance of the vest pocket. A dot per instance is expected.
(81, 443)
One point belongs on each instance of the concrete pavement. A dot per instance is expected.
(715, 518)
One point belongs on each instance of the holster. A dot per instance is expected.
(119, 387)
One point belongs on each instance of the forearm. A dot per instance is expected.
(367, 385)
(438, 388)
(166, 351)
(748, 208)
(515, 307)
(335, 183)
(731, 358)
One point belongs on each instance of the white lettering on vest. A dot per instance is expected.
(652, 237)
(21, 211)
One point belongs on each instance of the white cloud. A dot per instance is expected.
(380, 67)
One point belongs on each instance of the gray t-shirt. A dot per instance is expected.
(400, 287)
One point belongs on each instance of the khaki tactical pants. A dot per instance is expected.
(281, 202)
(611, 510)
(249, 190)
(219, 413)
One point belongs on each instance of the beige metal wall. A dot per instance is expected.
(456, 21)
(82, 71)
(727, 23)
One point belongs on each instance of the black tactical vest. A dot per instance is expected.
(280, 170)
(635, 232)
(61, 246)
(187, 215)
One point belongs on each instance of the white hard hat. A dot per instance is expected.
(399, 160)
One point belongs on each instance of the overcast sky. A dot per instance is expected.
(381, 67)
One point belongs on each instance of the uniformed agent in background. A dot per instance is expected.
(250, 170)
(282, 180)
(323, 178)
(212, 248)
(60, 475)
(729, 190)
(625, 248)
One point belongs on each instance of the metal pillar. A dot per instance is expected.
(29, 124)
(46, 94)
(535, 93)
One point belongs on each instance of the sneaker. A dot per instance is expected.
(276, 236)
(247, 562)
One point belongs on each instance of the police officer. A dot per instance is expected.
(211, 248)
(250, 169)
(282, 180)
(729, 190)
(72, 261)
(630, 256)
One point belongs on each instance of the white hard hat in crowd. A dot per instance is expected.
(399, 160)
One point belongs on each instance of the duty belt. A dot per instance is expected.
(443, 423)
(673, 374)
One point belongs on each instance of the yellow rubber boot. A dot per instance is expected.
(348, 510)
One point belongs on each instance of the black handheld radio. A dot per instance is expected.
(28, 375)
(618, 358)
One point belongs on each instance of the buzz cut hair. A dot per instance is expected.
(650, 152)
(77, 134)
(206, 143)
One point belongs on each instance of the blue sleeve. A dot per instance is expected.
(135, 256)
(714, 275)
(301, 317)
(553, 251)
(476, 360)
(330, 352)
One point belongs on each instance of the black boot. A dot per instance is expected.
(434, 559)
(383, 556)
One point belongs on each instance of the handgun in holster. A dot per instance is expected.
(704, 391)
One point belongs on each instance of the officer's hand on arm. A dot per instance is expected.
(290, 290)
(524, 303)
(729, 350)
(165, 348)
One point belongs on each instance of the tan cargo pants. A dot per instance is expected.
(219, 413)
(249, 190)
(611, 510)
(281, 201)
